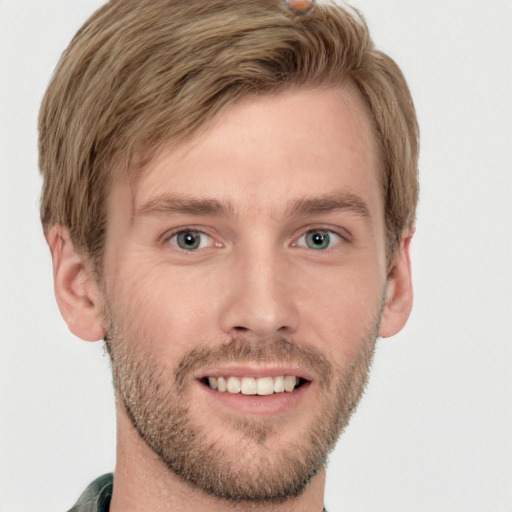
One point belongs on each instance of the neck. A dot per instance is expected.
(142, 482)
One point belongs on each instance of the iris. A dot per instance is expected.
(318, 240)
(188, 240)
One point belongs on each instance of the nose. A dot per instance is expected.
(258, 298)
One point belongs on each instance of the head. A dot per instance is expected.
(119, 93)
(230, 191)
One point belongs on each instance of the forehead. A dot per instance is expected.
(266, 151)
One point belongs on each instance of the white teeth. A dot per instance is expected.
(253, 386)
(265, 386)
(289, 383)
(234, 385)
(278, 384)
(221, 384)
(249, 386)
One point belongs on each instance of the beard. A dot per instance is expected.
(236, 463)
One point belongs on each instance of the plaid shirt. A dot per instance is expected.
(96, 498)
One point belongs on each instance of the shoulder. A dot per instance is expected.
(96, 498)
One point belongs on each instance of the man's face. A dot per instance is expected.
(251, 256)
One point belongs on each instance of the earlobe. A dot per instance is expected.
(76, 289)
(399, 295)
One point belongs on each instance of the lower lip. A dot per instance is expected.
(277, 403)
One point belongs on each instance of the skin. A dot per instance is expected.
(254, 278)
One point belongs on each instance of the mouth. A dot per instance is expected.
(256, 390)
(254, 386)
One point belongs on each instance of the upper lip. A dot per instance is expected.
(256, 371)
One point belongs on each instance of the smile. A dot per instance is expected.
(261, 386)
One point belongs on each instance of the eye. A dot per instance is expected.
(190, 240)
(319, 240)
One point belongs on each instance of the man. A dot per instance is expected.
(229, 198)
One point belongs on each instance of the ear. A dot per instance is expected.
(76, 288)
(399, 296)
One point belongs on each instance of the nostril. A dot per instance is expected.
(239, 328)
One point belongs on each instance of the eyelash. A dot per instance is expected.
(332, 235)
(340, 237)
(169, 237)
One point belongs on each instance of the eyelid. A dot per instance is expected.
(341, 235)
(169, 235)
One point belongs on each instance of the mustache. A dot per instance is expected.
(242, 351)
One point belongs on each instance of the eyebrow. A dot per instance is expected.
(169, 204)
(345, 201)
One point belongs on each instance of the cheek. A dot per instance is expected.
(161, 308)
(342, 310)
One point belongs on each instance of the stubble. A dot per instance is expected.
(239, 466)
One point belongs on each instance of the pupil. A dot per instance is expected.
(188, 240)
(318, 240)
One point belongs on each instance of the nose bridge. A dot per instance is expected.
(259, 298)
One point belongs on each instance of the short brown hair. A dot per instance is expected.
(141, 73)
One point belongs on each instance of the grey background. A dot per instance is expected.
(433, 432)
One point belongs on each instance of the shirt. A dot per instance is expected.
(96, 498)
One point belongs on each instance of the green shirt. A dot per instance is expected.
(96, 498)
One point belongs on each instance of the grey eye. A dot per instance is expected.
(190, 240)
(319, 239)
